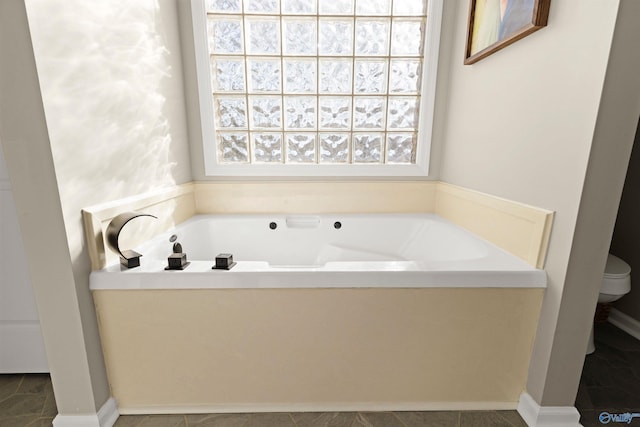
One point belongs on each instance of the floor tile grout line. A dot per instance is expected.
(399, 419)
(48, 394)
(14, 392)
(44, 404)
(20, 385)
(355, 417)
(504, 419)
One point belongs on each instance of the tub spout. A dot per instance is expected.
(128, 258)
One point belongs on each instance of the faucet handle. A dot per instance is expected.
(178, 259)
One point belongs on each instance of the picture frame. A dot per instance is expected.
(495, 24)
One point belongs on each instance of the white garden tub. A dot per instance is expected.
(325, 251)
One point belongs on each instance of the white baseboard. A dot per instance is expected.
(547, 416)
(318, 407)
(625, 322)
(105, 417)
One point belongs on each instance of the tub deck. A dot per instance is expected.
(255, 274)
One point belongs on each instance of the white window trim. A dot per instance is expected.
(425, 124)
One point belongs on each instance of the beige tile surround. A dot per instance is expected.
(517, 228)
(171, 206)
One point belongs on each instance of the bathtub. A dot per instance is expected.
(320, 313)
(337, 250)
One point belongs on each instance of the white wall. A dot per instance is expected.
(111, 83)
(25, 143)
(521, 125)
(21, 343)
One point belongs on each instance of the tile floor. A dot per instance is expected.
(610, 382)
(26, 400)
(331, 419)
(610, 377)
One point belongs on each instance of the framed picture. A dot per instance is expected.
(495, 24)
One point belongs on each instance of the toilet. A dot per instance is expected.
(616, 283)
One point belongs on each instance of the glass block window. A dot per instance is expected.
(316, 87)
(312, 82)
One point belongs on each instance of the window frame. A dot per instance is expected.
(213, 168)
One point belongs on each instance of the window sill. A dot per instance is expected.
(317, 170)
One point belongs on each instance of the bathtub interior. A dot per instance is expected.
(315, 240)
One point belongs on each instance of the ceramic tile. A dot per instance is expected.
(163, 421)
(35, 384)
(430, 419)
(270, 420)
(377, 419)
(609, 397)
(22, 404)
(217, 420)
(615, 337)
(590, 419)
(482, 419)
(18, 421)
(49, 408)
(129, 420)
(41, 422)
(634, 364)
(624, 374)
(583, 400)
(609, 356)
(611, 375)
(513, 418)
(596, 374)
(324, 419)
(9, 384)
(151, 421)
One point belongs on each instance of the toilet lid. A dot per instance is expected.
(616, 267)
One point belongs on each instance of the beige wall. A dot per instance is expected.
(626, 237)
(111, 82)
(521, 124)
